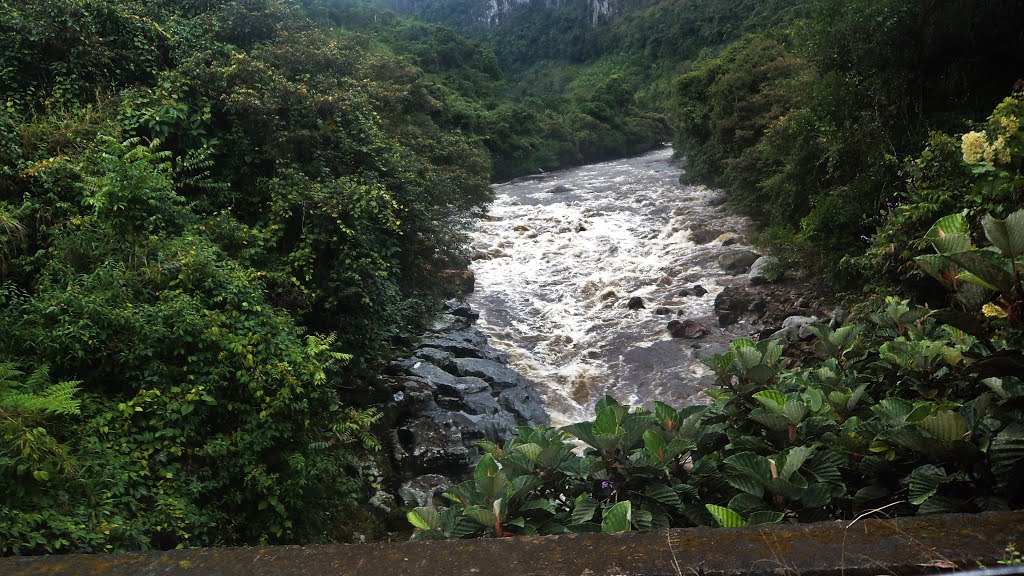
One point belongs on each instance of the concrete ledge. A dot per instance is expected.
(865, 548)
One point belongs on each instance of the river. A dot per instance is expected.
(558, 258)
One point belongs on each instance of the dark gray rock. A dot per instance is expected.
(737, 261)
(382, 503)
(525, 404)
(491, 372)
(461, 309)
(496, 428)
(690, 329)
(455, 391)
(434, 356)
(635, 303)
(794, 329)
(423, 490)
(695, 290)
(434, 446)
(662, 311)
(560, 189)
(463, 348)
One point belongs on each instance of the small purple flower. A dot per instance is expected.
(606, 485)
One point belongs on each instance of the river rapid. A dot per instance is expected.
(558, 258)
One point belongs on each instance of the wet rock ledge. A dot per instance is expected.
(453, 392)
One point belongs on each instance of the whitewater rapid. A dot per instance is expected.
(558, 257)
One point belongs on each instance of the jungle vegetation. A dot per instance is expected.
(217, 218)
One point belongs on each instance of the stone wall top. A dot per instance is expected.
(862, 548)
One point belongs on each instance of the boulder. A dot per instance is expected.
(794, 329)
(635, 303)
(463, 349)
(491, 372)
(460, 309)
(423, 490)
(764, 270)
(695, 290)
(382, 503)
(560, 189)
(737, 261)
(662, 311)
(525, 404)
(690, 329)
(701, 235)
(728, 239)
(434, 447)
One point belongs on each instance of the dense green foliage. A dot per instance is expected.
(216, 215)
(910, 411)
(807, 126)
(191, 193)
(530, 132)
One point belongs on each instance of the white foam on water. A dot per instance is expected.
(554, 271)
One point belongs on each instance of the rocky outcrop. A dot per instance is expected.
(454, 391)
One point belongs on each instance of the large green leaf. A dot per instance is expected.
(1007, 235)
(583, 431)
(667, 416)
(946, 425)
(483, 516)
(749, 472)
(794, 459)
(824, 466)
(1007, 452)
(794, 411)
(744, 502)
(816, 495)
(424, 518)
(925, 482)
(950, 234)
(538, 504)
(972, 295)
(663, 494)
(584, 509)
(617, 518)
(655, 444)
(486, 467)
(772, 400)
(937, 266)
(531, 451)
(726, 518)
(747, 358)
(771, 421)
(643, 519)
(895, 410)
(607, 421)
(990, 270)
(765, 517)
(634, 425)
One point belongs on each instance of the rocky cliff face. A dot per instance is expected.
(492, 12)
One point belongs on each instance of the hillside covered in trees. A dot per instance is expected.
(218, 219)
